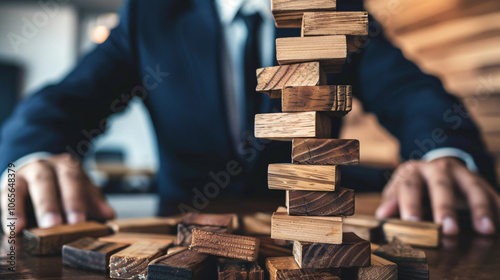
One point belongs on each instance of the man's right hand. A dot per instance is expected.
(60, 191)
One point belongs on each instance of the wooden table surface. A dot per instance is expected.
(466, 256)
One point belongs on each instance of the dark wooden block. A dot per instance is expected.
(353, 252)
(90, 254)
(287, 268)
(181, 264)
(331, 99)
(231, 269)
(47, 241)
(302, 275)
(325, 151)
(380, 269)
(207, 222)
(307, 203)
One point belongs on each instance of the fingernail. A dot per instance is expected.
(450, 227)
(75, 217)
(380, 213)
(49, 219)
(486, 226)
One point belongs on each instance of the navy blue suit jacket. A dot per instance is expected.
(167, 52)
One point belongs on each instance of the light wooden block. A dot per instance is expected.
(132, 262)
(365, 226)
(133, 237)
(330, 51)
(306, 228)
(380, 269)
(287, 126)
(335, 23)
(159, 225)
(289, 13)
(180, 263)
(314, 203)
(303, 177)
(287, 268)
(325, 151)
(425, 234)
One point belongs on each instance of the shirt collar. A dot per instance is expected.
(228, 9)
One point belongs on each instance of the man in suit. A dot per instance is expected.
(193, 65)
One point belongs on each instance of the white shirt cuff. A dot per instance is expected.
(451, 152)
(27, 159)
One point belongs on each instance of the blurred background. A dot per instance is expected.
(457, 40)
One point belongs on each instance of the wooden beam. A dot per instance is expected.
(230, 269)
(287, 126)
(272, 80)
(380, 269)
(47, 241)
(90, 254)
(335, 23)
(365, 226)
(132, 237)
(209, 222)
(225, 245)
(331, 99)
(287, 268)
(303, 177)
(424, 234)
(314, 203)
(288, 13)
(325, 151)
(159, 225)
(181, 264)
(330, 51)
(132, 262)
(353, 252)
(306, 228)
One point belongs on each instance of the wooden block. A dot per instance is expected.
(303, 177)
(180, 264)
(160, 225)
(253, 226)
(380, 269)
(365, 226)
(90, 254)
(272, 80)
(307, 203)
(132, 262)
(287, 126)
(331, 99)
(230, 269)
(132, 237)
(325, 151)
(288, 13)
(287, 268)
(209, 222)
(424, 234)
(273, 247)
(47, 241)
(225, 245)
(330, 51)
(335, 23)
(306, 228)
(412, 263)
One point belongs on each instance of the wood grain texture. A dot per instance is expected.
(90, 254)
(380, 269)
(132, 237)
(283, 267)
(335, 23)
(230, 269)
(159, 225)
(365, 226)
(426, 234)
(208, 222)
(288, 13)
(273, 247)
(331, 99)
(325, 151)
(272, 80)
(47, 241)
(301, 275)
(306, 228)
(287, 126)
(353, 252)
(308, 203)
(330, 51)
(225, 245)
(181, 264)
(283, 176)
(132, 262)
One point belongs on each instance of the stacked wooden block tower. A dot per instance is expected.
(316, 204)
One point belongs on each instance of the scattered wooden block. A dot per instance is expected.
(132, 237)
(330, 51)
(273, 247)
(252, 226)
(306, 228)
(412, 263)
(47, 241)
(325, 151)
(353, 252)
(331, 99)
(160, 225)
(335, 23)
(424, 234)
(287, 126)
(132, 262)
(303, 177)
(287, 268)
(272, 80)
(180, 263)
(365, 226)
(225, 245)
(308, 203)
(90, 254)
(310, 275)
(208, 222)
(288, 13)
(230, 269)
(380, 269)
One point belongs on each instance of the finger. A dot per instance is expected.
(389, 205)
(44, 194)
(440, 186)
(73, 187)
(410, 195)
(14, 200)
(98, 207)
